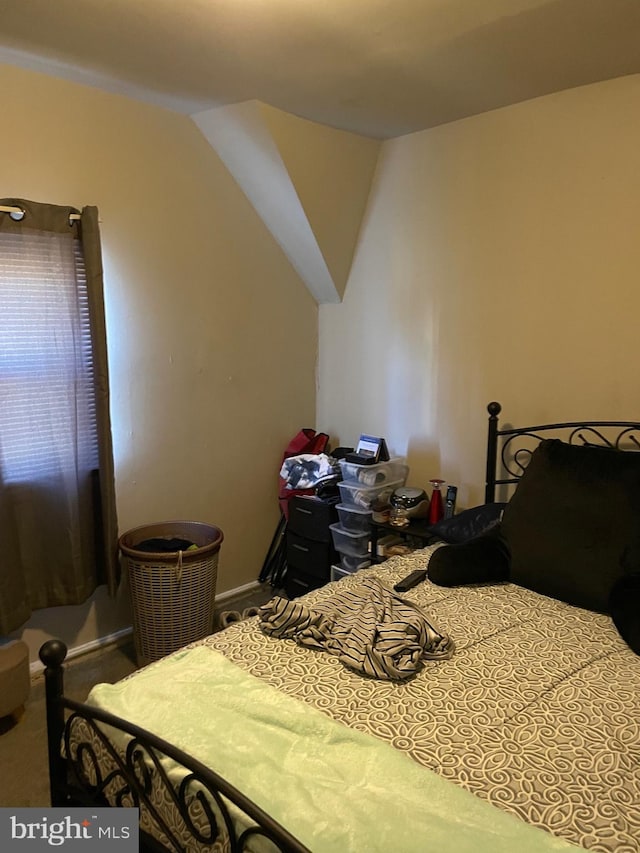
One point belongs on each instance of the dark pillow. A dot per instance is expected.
(624, 604)
(468, 524)
(482, 560)
(573, 523)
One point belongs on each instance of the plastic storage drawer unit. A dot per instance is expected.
(346, 569)
(375, 475)
(352, 564)
(337, 573)
(355, 519)
(355, 544)
(353, 494)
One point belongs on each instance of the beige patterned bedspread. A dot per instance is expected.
(537, 711)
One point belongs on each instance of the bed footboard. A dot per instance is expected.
(97, 758)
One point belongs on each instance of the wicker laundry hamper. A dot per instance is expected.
(172, 592)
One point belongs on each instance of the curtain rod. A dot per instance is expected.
(7, 209)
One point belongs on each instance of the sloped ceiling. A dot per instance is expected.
(275, 72)
(308, 182)
(379, 68)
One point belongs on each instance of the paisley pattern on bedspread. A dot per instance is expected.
(336, 789)
(536, 712)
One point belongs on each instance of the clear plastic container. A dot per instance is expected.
(375, 475)
(354, 494)
(353, 564)
(355, 519)
(348, 566)
(355, 544)
(337, 572)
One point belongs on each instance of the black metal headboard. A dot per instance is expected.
(509, 450)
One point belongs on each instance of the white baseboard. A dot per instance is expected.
(116, 638)
(36, 667)
(239, 590)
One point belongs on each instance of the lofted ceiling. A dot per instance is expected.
(379, 68)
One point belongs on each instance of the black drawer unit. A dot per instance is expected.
(311, 517)
(309, 556)
(297, 583)
(310, 550)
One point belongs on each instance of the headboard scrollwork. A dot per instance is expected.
(509, 450)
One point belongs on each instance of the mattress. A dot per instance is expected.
(336, 789)
(536, 711)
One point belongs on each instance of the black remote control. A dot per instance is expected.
(411, 580)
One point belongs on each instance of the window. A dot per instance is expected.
(57, 501)
(48, 415)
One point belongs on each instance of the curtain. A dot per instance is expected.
(58, 524)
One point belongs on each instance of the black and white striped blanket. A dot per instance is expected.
(371, 629)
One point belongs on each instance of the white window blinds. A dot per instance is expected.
(47, 405)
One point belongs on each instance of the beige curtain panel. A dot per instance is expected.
(58, 524)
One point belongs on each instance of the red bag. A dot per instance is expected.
(306, 441)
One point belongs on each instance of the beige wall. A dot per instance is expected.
(341, 165)
(212, 335)
(498, 261)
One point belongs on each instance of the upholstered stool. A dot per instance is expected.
(15, 680)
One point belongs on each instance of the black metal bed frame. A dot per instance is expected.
(75, 774)
(509, 450)
(76, 778)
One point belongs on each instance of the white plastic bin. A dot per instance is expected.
(354, 494)
(375, 475)
(355, 519)
(346, 569)
(353, 564)
(355, 544)
(337, 572)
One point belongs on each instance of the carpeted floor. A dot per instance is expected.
(23, 742)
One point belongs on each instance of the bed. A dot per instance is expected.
(523, 735)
